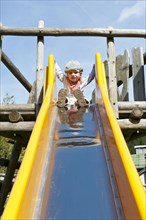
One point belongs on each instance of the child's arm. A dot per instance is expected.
(58, 72)
(89, 78)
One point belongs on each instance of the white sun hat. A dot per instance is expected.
(73, 65)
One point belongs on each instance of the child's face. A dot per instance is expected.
(73, 75)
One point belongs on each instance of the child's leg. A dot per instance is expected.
(80, 98)
(62, 98)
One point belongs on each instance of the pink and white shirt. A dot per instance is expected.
(70, 86)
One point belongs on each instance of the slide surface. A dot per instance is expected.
(77, 165)
(81, 185)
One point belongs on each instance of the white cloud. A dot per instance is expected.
(136, 10)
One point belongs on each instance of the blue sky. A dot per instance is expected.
(22, 51)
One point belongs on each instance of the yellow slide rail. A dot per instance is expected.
(137, 189)
(23, 199)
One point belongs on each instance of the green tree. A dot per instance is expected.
(8, 99)
(5, 146)
(5, 150)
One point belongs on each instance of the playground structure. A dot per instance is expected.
(131, 116)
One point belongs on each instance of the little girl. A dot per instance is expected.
(72, 93)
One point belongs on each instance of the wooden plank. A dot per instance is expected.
(23, 113)
(102, 32)
(15, 116)
(136, 114)
(122, 72)
(27, 116)
(131, 105)
(27, 111)
(107, 73)
(138, 74)
(16, 72)
(130, 66)
(112, 75)
(18, 107)
(40, 69)
(126, 124)
(126, 108)
(15, 127)
(32, 94)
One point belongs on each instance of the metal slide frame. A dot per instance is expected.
(24, 199)
(24, 195)
(131, 190)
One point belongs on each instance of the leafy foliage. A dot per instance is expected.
(5, 150)
(5, 146)
(8, 99)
